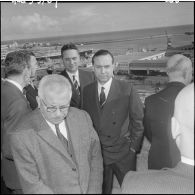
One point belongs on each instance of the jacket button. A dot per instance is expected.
(74, 169)
(114, 123)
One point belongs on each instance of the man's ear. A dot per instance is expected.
(175, 130)
(38, 101)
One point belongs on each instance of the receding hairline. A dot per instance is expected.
(53, 81)
(178, 62)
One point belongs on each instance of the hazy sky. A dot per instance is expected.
(37, 20)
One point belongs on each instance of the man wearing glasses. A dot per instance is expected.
(55, 148)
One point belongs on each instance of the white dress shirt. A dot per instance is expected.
(62, 128)
(106, 88)
(187, 161)
(76, 76)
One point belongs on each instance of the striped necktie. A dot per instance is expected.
(102, 97)
(76, 85)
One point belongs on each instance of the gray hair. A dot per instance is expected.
(56, 83)
(178, 65)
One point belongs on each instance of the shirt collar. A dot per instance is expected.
(16, 84)
(72, 74)
(52, 126)
(106, 87)
(187, 161)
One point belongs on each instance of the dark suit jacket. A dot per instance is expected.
(178, 180)
(44, 165)
(159, 109)
(31, 94)
(13, 106)
(85, 77)
(119, 123)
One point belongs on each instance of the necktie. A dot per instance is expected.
(102, 97)
(61, 137)
(76, 85)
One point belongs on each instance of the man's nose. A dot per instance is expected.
(71, 61)
(58, 112)
(102, 70)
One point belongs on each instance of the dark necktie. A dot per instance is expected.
(102, 97)
(76, 85)
(61, 137)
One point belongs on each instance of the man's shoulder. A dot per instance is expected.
(89, 74)
(146, 179)
(164, 181)
(76, 112)
(28, 121)
(9, 88)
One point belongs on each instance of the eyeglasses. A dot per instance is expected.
(53, 109)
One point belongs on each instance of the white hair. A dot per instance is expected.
(55, 83)
(179, 66)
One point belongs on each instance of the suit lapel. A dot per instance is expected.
(114, 92)
(45, 132)
(77, 141)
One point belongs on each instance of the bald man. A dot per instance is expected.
(159, 110)
(55, 148)
(180, 179)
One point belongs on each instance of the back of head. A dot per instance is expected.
(16, 61)
(183, 121)
(69, 46)
(55, 84)
(179, 68)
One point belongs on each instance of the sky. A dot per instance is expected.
(24, 20)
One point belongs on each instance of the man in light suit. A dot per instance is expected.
(20, 67)
(77, 77)
(178, 180)
(117, 112)
(159, 110)
(55, 147)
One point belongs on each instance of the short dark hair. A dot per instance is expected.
(68, 46)
(102, 52)
(16, 61)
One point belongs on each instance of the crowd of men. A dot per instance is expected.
(80, 128)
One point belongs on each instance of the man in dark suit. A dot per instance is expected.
(158, 112)
(20, 66)
(31, 93)
(180, 179)
(55, 147)
(77, 77)
(117, 112)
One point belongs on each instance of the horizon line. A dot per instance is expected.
(69, 35)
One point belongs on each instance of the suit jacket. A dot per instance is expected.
(31, 94)
(159, 109)
(178, 180)
(13, 106)
(119, 123)
(44, 165)
(85, 77)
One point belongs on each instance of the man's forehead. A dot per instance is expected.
(70, 52)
